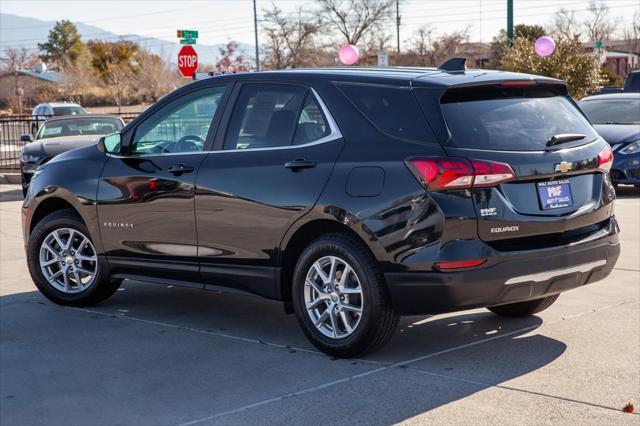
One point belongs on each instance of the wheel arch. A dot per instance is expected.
(59, 200)
(297, 241)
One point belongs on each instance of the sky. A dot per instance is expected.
(221, 20)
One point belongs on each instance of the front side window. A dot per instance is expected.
(180, 126)
(265, 116)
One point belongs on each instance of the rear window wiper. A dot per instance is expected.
(565, 137)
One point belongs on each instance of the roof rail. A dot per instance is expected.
(454, 64)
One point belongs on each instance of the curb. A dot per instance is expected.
(10, 178)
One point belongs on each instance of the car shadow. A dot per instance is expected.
(627, 191)
(10, 193)
(452, 356)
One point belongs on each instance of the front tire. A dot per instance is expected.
(63, 262)
(340, 298)
(524, 309)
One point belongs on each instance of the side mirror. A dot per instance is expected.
(26, 138)
(111, 144)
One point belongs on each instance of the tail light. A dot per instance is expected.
(605, 159)
(456, 173)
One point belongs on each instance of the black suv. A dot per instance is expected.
(353, 195)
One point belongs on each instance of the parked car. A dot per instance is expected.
(44, 111)
(631, 84)
(616, 117)
(62, 134)
(353, 195)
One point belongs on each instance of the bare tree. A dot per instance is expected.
(77, 80)
(154, 77)
(427, 49)
(599, 25)
(631, 34)
(355, 18)
(290, 39)
(14, 61)
(565, 26)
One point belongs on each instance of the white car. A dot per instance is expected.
(44, 111)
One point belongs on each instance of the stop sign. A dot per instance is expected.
(187, 61)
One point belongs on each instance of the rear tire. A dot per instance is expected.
(332, 300)
(524, 309)
(63, 262)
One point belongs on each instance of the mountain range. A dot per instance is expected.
(19, 31)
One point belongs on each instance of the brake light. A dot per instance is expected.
(458, 264)
(605, 159)
(457, 173)
(518, 83)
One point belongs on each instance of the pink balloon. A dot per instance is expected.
(544, 46)
(348, 54)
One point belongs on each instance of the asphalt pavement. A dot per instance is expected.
(164, 355)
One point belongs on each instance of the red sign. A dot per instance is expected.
(187, 61)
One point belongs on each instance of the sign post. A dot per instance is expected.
(187, 61)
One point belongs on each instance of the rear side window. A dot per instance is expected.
(391, 109)
(312, 124)
(515, 118)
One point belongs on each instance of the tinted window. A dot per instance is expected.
(180, 126)
(312, 124)
(68, 110)
(393, 110)
(79, 127)
(265, 116)
(619, 111)
(521, 119)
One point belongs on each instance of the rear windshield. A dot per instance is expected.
(68, 110)
(392, 109)
(515, 118)
(612, 111)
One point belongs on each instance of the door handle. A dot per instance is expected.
(299, 164)
(179, 169)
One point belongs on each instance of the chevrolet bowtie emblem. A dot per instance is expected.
(563, 167)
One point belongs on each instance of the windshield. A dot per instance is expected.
(612, 111)
(68, 110)
(78, 127)
(516, 119)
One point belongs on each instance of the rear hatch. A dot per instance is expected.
(560, 193)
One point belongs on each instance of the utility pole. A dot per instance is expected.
(398, 24)
(255, 29)
(510, 20)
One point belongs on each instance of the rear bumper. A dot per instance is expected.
(508, 277)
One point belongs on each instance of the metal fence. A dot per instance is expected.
(14, 126)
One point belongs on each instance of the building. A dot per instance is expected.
(24, 88)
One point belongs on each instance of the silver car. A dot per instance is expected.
(62, 134)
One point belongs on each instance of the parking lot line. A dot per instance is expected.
(509, 388)
(410, 361)
(215, 333)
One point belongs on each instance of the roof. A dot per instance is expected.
(407, 75)
(60, 103)
(48, 76)
(616, 95)
(82, 117)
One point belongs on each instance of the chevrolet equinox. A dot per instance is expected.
(353, 195)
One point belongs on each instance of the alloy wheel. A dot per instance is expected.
(68, 260)
(333, 297)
